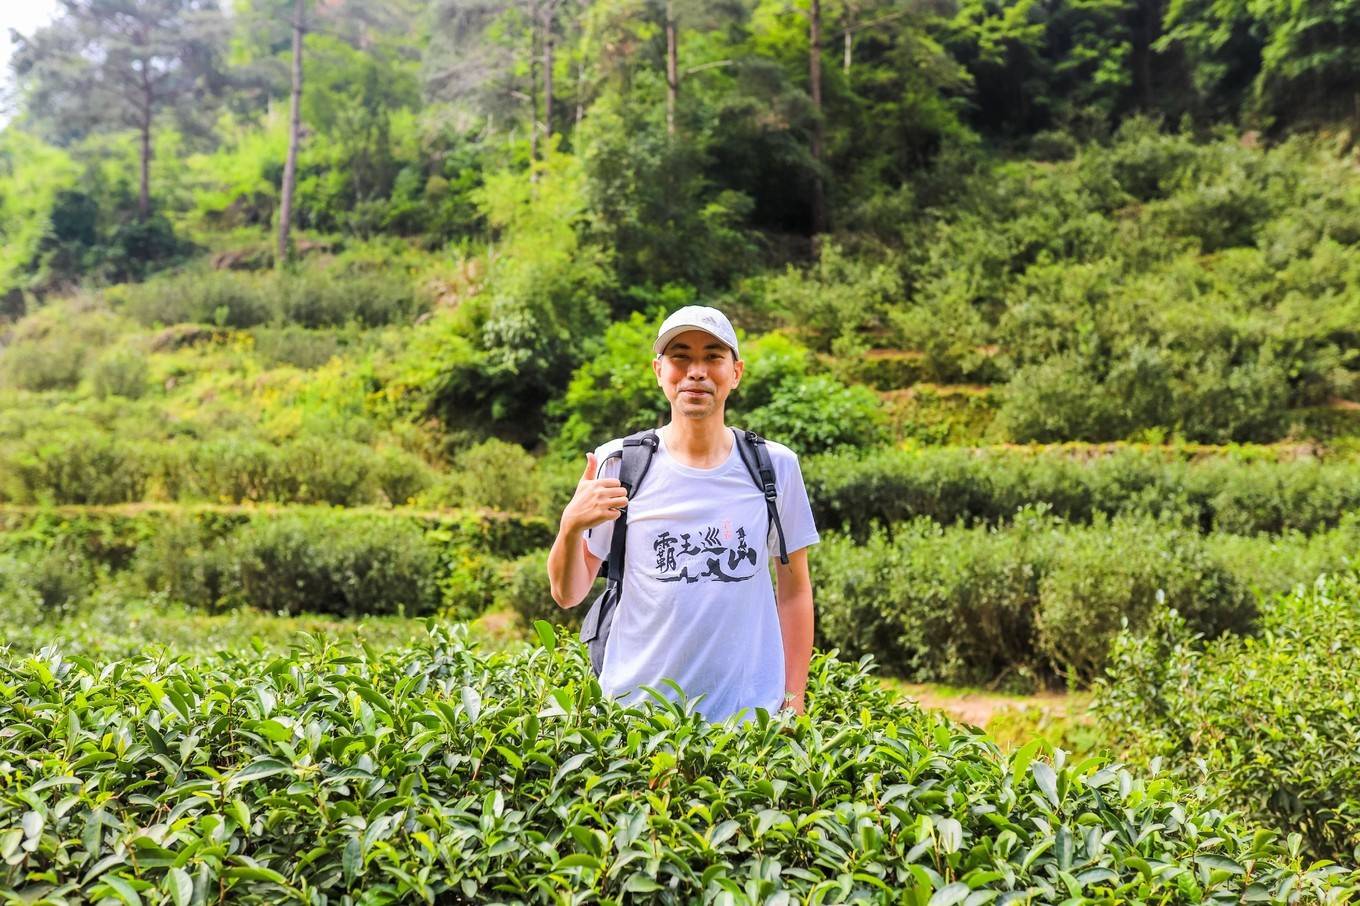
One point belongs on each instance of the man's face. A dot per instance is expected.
(697, 372)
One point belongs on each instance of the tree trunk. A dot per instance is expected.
(818, 130)
(144, 189)
(849, 44)
(533, 95)
(580, 91)
(672, 68)
(548, 10)
(294, 131)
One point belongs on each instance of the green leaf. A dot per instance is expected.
(1047, 781)
(472, 703)
(179, 886)
(547, 636)
(950, 894)
(126, 892)
(256, 873)
(578, 860)
(258, 769)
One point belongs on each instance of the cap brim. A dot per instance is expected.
(662, 341)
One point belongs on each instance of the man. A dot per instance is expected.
(697, 604)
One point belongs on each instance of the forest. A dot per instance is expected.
(310, 310)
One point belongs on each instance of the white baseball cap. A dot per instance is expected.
(697, 317)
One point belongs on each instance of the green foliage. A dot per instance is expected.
(613, 393)
(784, 399)
(192, 556)
(499, 475)
(311, 298)
(851, 490)
(528, 593)
(334, 564)
(531, 326)
(1265, 723)
(1030, 602)
(839, 296)
(520, 782)
(121, 371)
(1124, 572)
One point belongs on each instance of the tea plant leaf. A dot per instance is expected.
(1047, 781)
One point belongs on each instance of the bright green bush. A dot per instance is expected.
(840, 295)
(499, 475)
(90, 466)
(1267, 724)
(434, 772)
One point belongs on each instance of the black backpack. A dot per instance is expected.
(636, 456)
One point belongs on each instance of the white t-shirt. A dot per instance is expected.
(698, 605)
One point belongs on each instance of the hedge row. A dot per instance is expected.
(851, 491)
(93, 468)
(1268, 724)
(432, 773)
(301, 560)
(1026, 604)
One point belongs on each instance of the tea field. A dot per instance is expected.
(433, 771)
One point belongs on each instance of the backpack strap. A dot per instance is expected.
(756, 456)
(638, 450)
(636, 458)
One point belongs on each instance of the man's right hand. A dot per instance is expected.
(596, 501)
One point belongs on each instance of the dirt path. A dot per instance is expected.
(977, 707)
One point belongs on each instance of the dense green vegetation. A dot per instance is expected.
(1266, 722)
(434, 771)
(1059, 305)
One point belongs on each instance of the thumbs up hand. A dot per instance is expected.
(596, 501)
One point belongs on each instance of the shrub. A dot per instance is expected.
(119, 372)
(499, 475)
(839, 296)
(528, 593)
(935, 604)
(43, 584)
(82, 467)
(1126, 572)
(342, 564)
(1267, 724)
(612, 394)
(849, 490)
(509, 777)
(307, 297)
(1026, 604)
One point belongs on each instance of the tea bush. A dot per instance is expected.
(1036, 600)
(1266, 723)
(318, 563)
(435, 773)
(96, 467)
(195, 557)
(309, 297)
(851, 490)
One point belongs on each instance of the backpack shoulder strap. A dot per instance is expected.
(636, 454)
(756, 457)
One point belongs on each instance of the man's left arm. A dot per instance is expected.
(793, 600)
